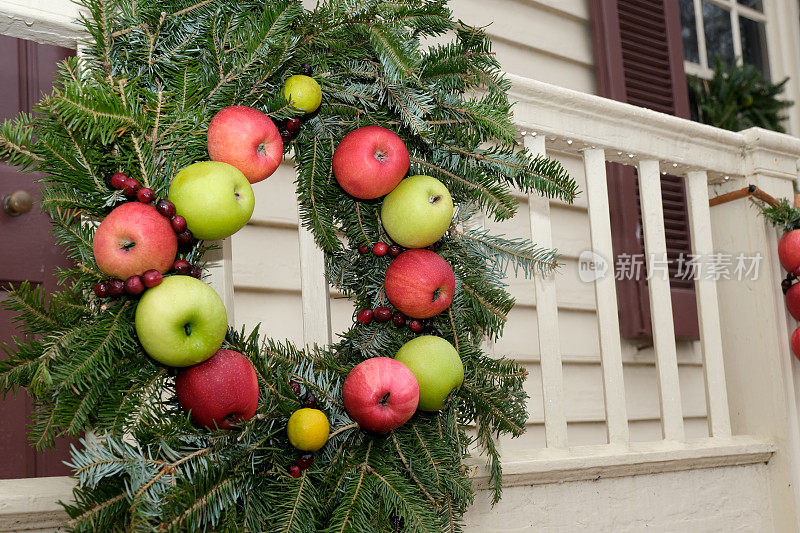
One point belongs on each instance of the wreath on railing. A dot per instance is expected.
(368, 434)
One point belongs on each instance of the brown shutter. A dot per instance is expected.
(639, 60)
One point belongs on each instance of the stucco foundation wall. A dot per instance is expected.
(732, 499)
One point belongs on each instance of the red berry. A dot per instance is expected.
(380, 249)
(146, 195)
(305, 460)
(416, 325)
(115, 287)
(118, 180)
(165, 208)
(364, 316)
(178, 223)
(101, 290)
(797, 272)
(131, 186)
(293, 125)
(395, 250)
(295, 386)
(185, 238)
(363, 249)
(398, 319)
(196, 272)
(286, 136)
(294, 471)
(134, 285)
(152, 278)
(383, 314)
(181, 267)
(309, 400)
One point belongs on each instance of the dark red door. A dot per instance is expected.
(27, 249)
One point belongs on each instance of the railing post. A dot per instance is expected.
(555, 418)
(315, 292)
(594, 161)
(219, 264)
(655, 245)
(719, 422)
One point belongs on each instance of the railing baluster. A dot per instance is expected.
(655, 244)
(594, 161)
(315, 292)
(719, 421)
(219, 265)
(555, 418)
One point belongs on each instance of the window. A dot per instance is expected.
(731, 29)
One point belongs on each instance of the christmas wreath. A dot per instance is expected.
(149, 143)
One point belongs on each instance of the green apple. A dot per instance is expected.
(437, 367)
(214, 197)
(303, 92)
(181, 322)
(417, 212)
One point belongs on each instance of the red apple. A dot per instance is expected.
(381, 394)
(789, 250)
(419, 283)
(370, 161)
(132, 239)
(796, 343)
(220, 391)
(247, 139)
(793, 301)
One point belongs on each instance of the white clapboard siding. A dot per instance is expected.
(546, 40)
(660, 299)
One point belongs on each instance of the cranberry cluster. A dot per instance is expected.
(130, 188)
(135, 285)
(306, 400)
(289, 128)
(380, 249)
(787, 283)
(384, 314)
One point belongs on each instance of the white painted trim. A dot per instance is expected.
(594, 162)
(219, 264)
(32, 503)
(719, 420)
(575, 121)
(40, 25)
(555, 415)
(607, 461)
(655, 246)
(314, 290)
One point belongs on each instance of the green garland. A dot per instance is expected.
(140, 102)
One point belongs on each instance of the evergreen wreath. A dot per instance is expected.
(139, 100)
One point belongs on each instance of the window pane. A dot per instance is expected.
(719, 33)
(754, 44)
(689, 31)
(755, 4)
